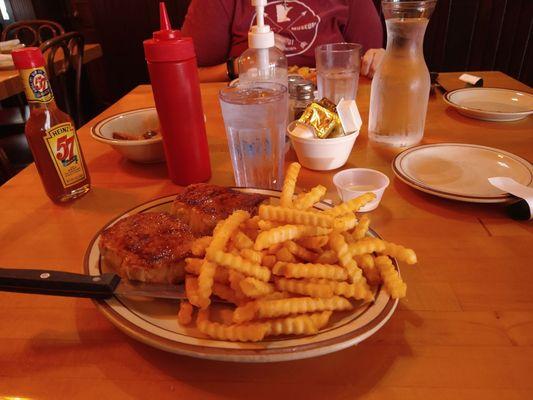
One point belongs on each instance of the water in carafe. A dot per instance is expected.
(400, 88)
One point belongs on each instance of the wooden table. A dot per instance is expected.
(465, 330)
(10, 84)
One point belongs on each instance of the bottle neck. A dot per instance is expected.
(406, 36)
(37, 87)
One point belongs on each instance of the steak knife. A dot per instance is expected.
(105, 286)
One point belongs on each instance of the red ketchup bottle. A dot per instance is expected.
(172, 66)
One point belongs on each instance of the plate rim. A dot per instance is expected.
(236, 355)
(399, 172)
(449, 101)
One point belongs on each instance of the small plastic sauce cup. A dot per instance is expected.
(355, 182)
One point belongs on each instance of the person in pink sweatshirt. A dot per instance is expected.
(219, 29)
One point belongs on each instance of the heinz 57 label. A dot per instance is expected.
(64, 149)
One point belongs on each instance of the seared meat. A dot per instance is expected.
(147, 247)
(201, 206)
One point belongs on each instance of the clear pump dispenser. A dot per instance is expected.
(262, 61)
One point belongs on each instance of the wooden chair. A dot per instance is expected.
(64, 62)
(32, 32)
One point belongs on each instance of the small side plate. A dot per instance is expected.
(460, 171)
(491, 104)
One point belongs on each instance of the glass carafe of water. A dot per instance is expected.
(400, 88)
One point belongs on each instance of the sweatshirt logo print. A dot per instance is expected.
(294, 24)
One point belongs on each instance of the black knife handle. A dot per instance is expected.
(57, 283)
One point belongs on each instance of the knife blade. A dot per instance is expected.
(105, 286)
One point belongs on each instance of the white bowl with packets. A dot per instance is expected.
(318, 149)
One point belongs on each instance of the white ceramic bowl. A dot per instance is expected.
(322, 154)
(355, 182)
(135, 122)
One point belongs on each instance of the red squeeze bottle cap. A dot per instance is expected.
(28, 57)
(167, 44)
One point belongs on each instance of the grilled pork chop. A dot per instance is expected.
(147, 247)
(201, 206)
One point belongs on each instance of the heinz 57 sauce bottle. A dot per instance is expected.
(50, 132)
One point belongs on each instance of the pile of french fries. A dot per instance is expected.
(287, 269)
(304, 72)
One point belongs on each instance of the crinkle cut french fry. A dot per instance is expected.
(252, 255)
(351, 206)
(394, 285)
(300, 270)
(192, 266)
(191, 289)
(299, 305)
(348, 237)
(371, 245)
(251, 223)
(327, 257)
(321, 319)
(253, 332)
(292, 216)
(205, 283)
(274, 248)
(298, 286)
(362, 227)
(245, 312)
(269, 260)
(235, 278)
(240, 264)
(287, 232)
(313, 242)
(345, 222)
(338, 244)
(289, 184)
(241, 240)
(199, 246)
(223, 231)
(276, 296)
(265, 225)
(371, 273)
(297, 325)
(185, 313)
(358, 291)
(308, 199)
(226, 293)
(285, 255)
(254, 288)
(300, 251)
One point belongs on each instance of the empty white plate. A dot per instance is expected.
(460, 171)
(491, 104)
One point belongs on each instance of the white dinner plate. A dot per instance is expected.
(460, 171)
(491, 104)
(154, 322)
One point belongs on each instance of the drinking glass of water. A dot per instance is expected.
(255, 117)
(337, 67)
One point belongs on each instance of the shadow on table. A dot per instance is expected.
(347, 373)
(452, 209)
(110, 160)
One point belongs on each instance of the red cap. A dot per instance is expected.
(28, 57)
(167, 44)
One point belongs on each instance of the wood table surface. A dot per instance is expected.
(10, 84)
(464, 331)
